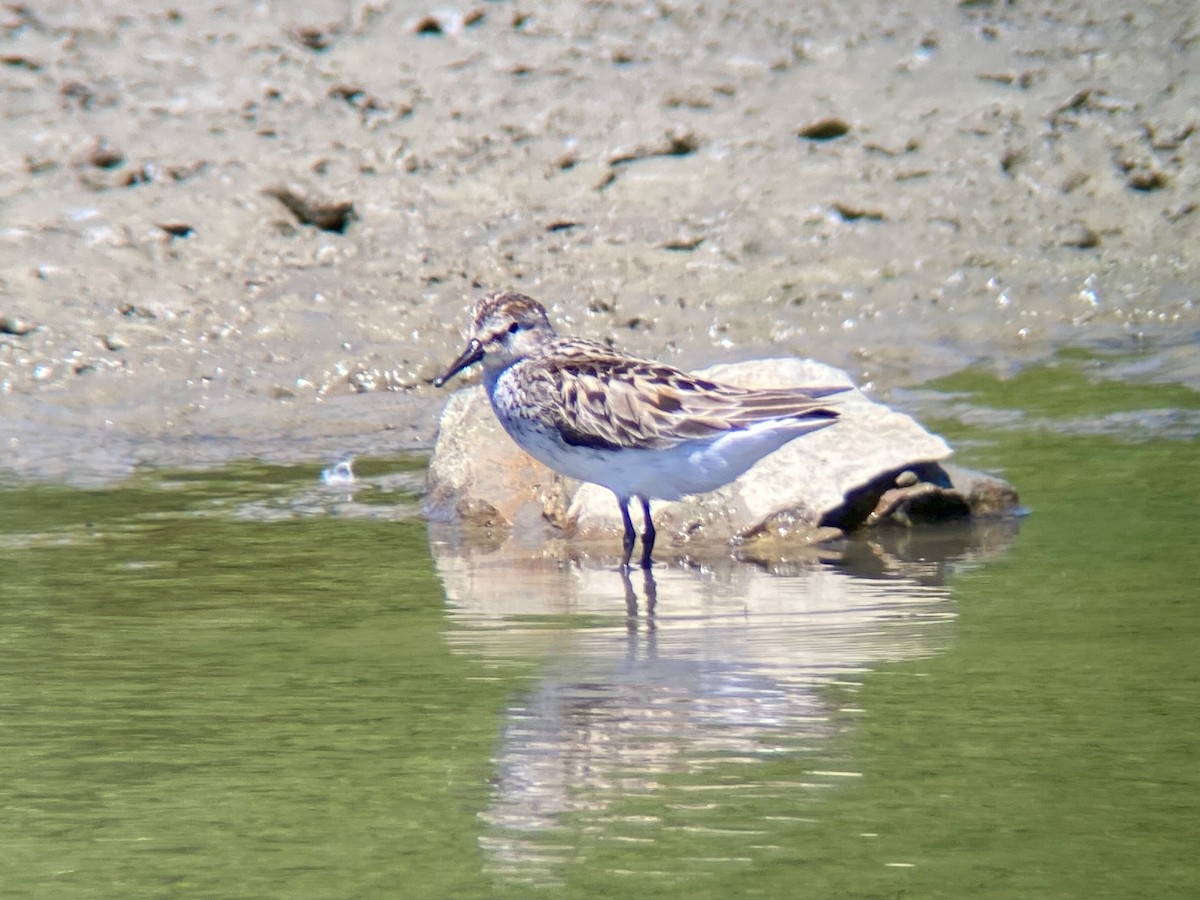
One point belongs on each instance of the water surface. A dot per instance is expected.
(239, 683)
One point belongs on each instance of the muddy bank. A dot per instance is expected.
(232, 231)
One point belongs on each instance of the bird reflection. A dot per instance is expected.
(733, 669)
(649, 589)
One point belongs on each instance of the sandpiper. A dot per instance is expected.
(642, 429)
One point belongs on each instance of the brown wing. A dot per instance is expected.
(609, 401)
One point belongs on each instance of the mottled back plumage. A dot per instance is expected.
(641, 428)
(601, 398)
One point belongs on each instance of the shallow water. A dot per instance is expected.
(241, 683)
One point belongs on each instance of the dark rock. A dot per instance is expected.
(825, 130)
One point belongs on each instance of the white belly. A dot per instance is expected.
(693, 467)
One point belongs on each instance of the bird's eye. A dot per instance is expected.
(514, 328)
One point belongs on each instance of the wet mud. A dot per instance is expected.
(248, 230)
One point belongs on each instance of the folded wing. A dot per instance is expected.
(610, 402)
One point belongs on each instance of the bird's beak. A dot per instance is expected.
(470, 356)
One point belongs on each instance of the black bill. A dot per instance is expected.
(470, 356)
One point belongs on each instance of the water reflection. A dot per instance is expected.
(683, 674)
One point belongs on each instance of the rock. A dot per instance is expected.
(987, 497)
(328, 215)
(1078, 235)
(16, 326)
(876, 466)
(918, 501)
(824, 129)
(477, 472)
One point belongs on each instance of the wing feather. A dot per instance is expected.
(600, 399)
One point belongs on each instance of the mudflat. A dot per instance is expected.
(245, 229)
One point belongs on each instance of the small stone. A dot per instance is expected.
(1011, 158)
(824, 130)
(316, 37)
(328, 215)
(853, 213)
(176, 229)
(678, 142)
(683, 244)
(104, 155)
(428, 25)
(1146, 180)
(15, 325)
(918, 503)
(1079, 236)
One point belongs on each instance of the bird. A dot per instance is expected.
(644, 430)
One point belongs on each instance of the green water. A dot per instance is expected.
(233, 684)
(191, 704)
(1054, 750)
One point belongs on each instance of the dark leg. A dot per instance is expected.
(630, 534)
(648, 535)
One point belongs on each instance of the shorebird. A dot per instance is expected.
(642, 429)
